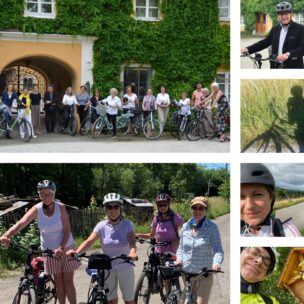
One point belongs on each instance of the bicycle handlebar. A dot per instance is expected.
(257, 58)
(153, 242)
(32, 249)
(125, 258)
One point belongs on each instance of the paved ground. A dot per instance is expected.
(246, 63)
(296, 212)
(64, 143)
(221, 286)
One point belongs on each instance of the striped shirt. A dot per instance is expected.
(202, 249)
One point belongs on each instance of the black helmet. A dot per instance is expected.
(46, 184)
(283, 7)
(256, 174)
(272, 258)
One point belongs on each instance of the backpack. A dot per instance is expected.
(172, 221)
(277, 227)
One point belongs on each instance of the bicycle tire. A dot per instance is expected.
(85, 126)
(50, 295)
(173, 125)
(72, 126)
(193, 131)
(97, 127)
(143, 289)
(25, 296)
(152, 130)
(26, 127)
(2, 126)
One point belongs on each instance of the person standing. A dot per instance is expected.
(162, 103)
(286, 40)
(24, 109)
(83, 99)
(200, 246)
(35, 109)
(55, 234)
(69, 101)
(197, 96)
(148, 103)
(8, 97)
(50, 101)
(207, 119)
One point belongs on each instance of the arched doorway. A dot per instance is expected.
(40, 70)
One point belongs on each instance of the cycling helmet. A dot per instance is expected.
(112, 197)
(272, 254)
(163, 197)
(256, 174)
(283, 7)
(46, 184)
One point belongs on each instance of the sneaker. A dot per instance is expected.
(34, 136)
(113, 136)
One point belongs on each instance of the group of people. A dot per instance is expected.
(116, 235)
(30, 102)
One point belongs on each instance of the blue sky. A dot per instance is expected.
(215, 166)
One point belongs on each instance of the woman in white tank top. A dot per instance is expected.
(55, 234)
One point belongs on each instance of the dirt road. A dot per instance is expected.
(221, 286)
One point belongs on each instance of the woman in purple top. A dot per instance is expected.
(165, 224)
(116, 237)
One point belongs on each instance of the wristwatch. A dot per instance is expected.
(288, 54)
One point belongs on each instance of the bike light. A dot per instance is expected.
(30, 276)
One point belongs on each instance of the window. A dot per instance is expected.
(146, 9)
(298, 17)
(40, 8)
(223, 79)
(224, 10)
(139, 77)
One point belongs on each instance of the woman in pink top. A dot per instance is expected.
(55, 234)
(165, 225)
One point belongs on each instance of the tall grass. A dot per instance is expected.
(256, 113)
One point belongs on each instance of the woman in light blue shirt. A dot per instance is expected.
(200, 246)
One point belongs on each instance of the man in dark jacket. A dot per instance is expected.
(50, 100)
(286, 40)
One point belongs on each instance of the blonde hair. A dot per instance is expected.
(215, 85)
(114, 90)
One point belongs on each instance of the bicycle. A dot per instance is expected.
(188, 295)
(257, 60)
(87, 123)
(99, 266)
(270, 139)
(194, 128)
(72, 124)
(178, 125)
(19, 127)
(152, 128)
(35, 287)
(150, 280)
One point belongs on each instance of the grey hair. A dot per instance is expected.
(114, 90)
(215, 85)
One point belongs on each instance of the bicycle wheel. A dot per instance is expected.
(85, 126)
(97, 127)
(174, 126)
(25, 296)
(143, 289)
(2, 126)
(25, 130)
(50, 295)
(193, 130)
(152, 129)
(73, 126)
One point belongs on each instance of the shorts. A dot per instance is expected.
(61, 264)
(126, 281)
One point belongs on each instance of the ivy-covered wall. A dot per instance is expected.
(187, 45)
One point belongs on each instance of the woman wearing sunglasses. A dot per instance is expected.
(200, 246)
(116, 236)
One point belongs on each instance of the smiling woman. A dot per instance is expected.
(257, 201)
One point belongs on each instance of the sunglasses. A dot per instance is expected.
(198, 208)
(110, 207)
(162, 205)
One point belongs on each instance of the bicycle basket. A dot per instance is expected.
(168, 273)
(99, 261)
(37, 266)
(101, 110)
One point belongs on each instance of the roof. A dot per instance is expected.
(137, 202)
(14, 207)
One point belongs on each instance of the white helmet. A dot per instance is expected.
(112, 197)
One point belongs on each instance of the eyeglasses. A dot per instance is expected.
(256, 254)
(198, 208)
(110, 207)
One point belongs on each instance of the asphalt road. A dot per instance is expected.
(220, 291)
(64, 143)
(296, 212)
(246, 63)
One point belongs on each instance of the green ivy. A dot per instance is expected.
(187, 45)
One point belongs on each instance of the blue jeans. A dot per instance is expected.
(7, 114)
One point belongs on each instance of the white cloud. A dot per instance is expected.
(288, 176)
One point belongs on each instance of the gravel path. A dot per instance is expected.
(221, 286)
